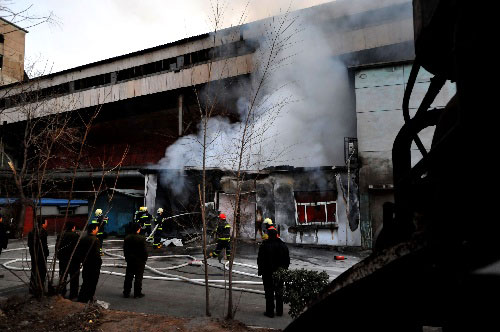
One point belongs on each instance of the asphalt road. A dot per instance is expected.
(181, 298)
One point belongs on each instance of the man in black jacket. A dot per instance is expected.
(273, 255)
(68, 260)
(136, 255)
(89, 252)
(39, 251)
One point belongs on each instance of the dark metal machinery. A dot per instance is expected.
(436, 262)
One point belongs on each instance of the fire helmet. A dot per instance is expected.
(98, 212)
(143, 209)
(268, 221)
(222, 216)
(160, 211)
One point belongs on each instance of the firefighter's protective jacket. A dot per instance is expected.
(224, 231)
(143, 218)
(101, 221)
(161, 221)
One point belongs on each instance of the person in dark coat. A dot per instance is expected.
(89, 253)
(136, 255)
(69, 262)
(39, 251)
(4, 239)
(273, 255)
(223, 237)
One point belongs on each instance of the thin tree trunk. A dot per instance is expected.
(205, 263)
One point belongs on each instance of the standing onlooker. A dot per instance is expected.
(4, 240)
(39, 251)
(68, 259)
(136, 255)
(273, 255)
(89, 253)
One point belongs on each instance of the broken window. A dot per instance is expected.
(316, 207)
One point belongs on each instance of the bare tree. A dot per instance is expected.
(259, 114)
(24, 17)
(209, 101)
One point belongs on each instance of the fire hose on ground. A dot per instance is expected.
(162, 275)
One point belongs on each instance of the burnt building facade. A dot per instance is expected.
(145, 101)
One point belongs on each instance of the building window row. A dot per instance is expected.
(165, 65)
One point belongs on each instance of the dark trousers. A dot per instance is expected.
(90, 276)
(222, 244)
(146, 230)
(273, 291)
(38, 273)
(158, 236)
(101, 240)
(74, 275)
(136, 270)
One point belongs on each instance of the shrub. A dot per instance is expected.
(300, 287)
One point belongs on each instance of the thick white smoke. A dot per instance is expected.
(300, 118)
(302, 114)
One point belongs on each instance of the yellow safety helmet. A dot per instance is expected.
(98, 212)
(160, 210)
(143, 209)
(268, 221)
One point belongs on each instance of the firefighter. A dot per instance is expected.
(39, 251)
(68, 259)
(160, 221)
(88, 250)
(268, 223)
(144, 219)
(101, 221)
(223, 237)
(273, 255)
(136, 255)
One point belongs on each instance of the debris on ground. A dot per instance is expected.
(26, 314)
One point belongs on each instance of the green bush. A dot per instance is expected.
(300, 287)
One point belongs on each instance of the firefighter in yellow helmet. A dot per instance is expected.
(101, 221)
(160, 221)
(268, 224)
(144, 219)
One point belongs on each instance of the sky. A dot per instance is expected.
(93, 30)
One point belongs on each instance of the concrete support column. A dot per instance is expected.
(180, 114)
(151, 183)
